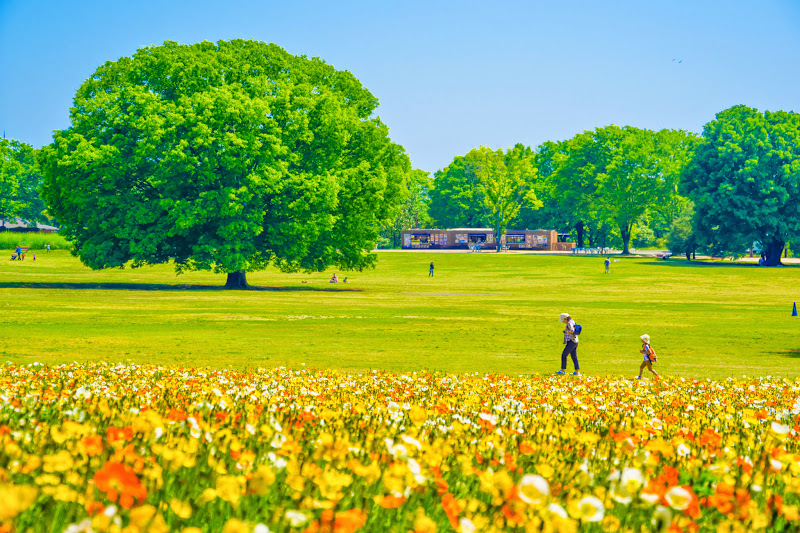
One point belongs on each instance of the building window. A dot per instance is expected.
(419, 240)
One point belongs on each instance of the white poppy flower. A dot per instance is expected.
(295, 518)
(533, 488)
(678, 498)
(557, 510)
(591, 509)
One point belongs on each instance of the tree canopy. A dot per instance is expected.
(615, 177)
(226, 156)
(505, 183)
(20, 182)
(413, 213)
(485, 187)
(455, 197)
(744, 179)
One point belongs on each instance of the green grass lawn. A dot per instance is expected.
(481, 312)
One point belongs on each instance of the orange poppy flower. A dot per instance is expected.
(120, 483)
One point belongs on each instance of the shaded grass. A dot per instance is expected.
(481, 312)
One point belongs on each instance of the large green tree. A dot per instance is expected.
(574, 186)
(505, 181)
(20, 181)
(744, 179)
(615, 177)
(226, 156)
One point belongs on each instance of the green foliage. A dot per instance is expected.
(412, 213)
(576, 164)
(20, 182)
(643, 236)
(744, 180)
(455, 200)
(485, 188)
(681, 238)
(227, 157)
(505, 182)
(617, 177)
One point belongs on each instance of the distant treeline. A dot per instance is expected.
(733, 188)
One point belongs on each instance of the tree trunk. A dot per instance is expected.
(774, 251)
(497, 238)
(237, 280)
(579, 229)
(688, 255)
(625, 233)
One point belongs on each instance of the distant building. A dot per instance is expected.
(23, 226)
(465, 238)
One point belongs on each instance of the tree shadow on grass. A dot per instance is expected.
(158, 287)
(728, 264)
(792, 352)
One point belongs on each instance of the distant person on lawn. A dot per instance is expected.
(608, 263)
(334, 279)
(649, 356)
(571, 348)
(430, 272)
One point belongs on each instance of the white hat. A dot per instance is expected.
(564, 315)
(645, 338)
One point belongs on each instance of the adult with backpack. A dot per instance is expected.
(571, 332)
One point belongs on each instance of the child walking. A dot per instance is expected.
(649, 356)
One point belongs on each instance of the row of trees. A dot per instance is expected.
(233, 156)
(734, 187)
(20, 182)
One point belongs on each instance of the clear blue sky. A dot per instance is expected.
(451, 75)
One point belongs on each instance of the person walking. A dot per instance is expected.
(430, 272)
(608, 263)
(571, 346)
(649, 356)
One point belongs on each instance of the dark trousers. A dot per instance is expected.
(571, 348)
(430, 273)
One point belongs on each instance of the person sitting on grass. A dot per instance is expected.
(649, 356)
(334, 279)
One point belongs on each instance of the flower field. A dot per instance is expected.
(101, 447)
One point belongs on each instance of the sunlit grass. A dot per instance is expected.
(481, 312)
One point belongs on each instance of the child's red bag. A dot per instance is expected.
(651, 356)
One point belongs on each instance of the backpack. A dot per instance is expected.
(578, 329)
(652, 357)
